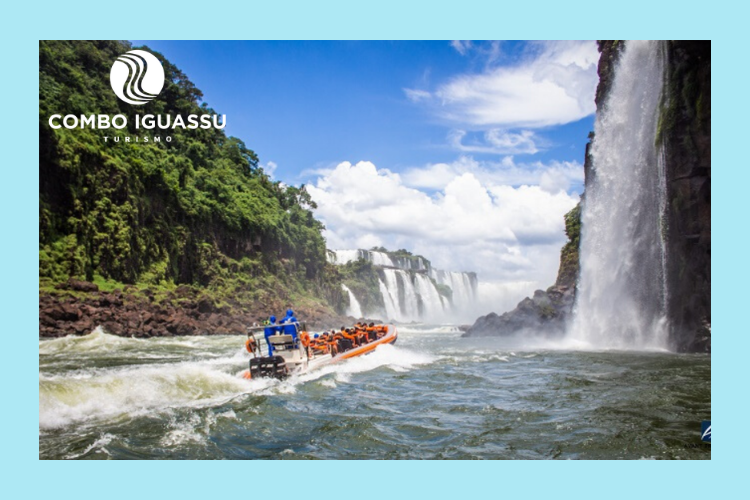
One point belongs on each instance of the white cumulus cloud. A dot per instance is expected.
(554, 86)
(269, 168)
(494, 141)
(471, 222)
(550, 177)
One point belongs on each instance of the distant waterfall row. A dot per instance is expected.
(410, 288)
(341, 257)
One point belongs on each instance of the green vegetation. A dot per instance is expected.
(198, 210)
(362, 279)
(568, 272)
(401, 253)
(443, 290)
(681, 97)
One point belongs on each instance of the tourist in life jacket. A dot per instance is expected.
(320, 344)
(350, 336)
(333, 345)
(345, 343)
(370, 329)
(304, 338)
(361, 335)
(268, 331)
(289, 322)
(381, 331)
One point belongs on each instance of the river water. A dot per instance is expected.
(433, 395)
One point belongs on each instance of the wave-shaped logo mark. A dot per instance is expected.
(706, 431)
(137, 77)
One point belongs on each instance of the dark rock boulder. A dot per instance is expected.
(545, 313)
(78, 286)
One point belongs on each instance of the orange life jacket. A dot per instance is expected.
(305, 338)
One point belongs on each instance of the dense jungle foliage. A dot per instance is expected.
(197, 210)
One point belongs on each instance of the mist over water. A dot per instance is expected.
(621, 298)
(432, 395)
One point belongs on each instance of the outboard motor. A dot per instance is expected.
(269, 366)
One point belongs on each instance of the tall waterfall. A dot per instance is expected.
(463, 286)
(392, 310)
(354, 308)
(621, 301)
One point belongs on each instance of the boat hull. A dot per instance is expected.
(298, 361)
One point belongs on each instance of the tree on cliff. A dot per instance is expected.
(196, 210)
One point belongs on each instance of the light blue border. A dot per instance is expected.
(386, 19)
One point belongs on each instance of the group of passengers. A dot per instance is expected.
(335, 342)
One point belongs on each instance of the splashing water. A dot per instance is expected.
(432, 395)
(354, 309)
(621, 300)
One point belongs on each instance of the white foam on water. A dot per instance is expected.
(99, 445)
(184, 432)
(87, 396)
(100, 344)
(393, 357)
(83, 396)
(427, 329)
(96, 341)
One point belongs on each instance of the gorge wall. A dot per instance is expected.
(686, 137)
(684, 134)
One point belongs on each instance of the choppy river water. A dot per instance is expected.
(433, 395)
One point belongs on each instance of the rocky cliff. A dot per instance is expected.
(77, 307)
(684, 130)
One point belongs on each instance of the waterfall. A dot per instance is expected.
(410, 296)
(463, 286)
(380, 259)
(407, 288)
(354, 308)
(341, 257)
(392, 311)
(621, 299)
(432, 303)
(411, 300)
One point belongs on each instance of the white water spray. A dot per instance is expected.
(621, 300)
(392, 311)
(354, 309)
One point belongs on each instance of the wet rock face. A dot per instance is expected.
(545, 313)
(687, 143)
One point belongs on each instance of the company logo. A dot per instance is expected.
(137, 77)
(706, 431)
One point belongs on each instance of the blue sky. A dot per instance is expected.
(468, 153)
(306, 105)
